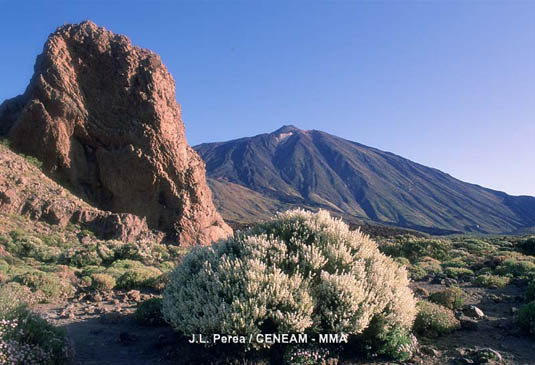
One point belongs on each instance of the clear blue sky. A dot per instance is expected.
(447, 84)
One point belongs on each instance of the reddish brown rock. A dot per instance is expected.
(102, 116)
(25, 190)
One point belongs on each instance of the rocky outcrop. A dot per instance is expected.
(25, 190)
(102, 116)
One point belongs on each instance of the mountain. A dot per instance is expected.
(313, 169)
(101, 115)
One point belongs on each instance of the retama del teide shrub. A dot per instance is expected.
(301, 272)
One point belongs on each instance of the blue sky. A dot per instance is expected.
(449, 84)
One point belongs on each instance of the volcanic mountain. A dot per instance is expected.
(253, 177)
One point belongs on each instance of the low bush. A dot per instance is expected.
(26, 338)
(430, 265)
(459, 273)
(81, 256)
(526, 318)
(414, 248)
(101, 281)
(433, 319)
(47, 286)
(138, 278)
(527, 246)
(13, 295)
(522, 269)
(149, 312)
(530, 292)
(416, 272)
(452, 298)
(491, 281)
(301, 272)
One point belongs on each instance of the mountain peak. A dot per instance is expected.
(287, 129)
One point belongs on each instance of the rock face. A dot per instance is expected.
(25, 190)
(102, 116)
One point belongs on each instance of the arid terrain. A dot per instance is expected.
(114, 248)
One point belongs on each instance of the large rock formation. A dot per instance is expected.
(102, 116)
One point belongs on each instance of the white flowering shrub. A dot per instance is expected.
(26, 338)
(300, 272)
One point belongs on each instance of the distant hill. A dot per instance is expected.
(253, 177)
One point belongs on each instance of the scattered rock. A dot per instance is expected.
(431, 351)
(473, 311)
(134, 295)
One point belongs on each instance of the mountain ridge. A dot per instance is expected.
(315, 169)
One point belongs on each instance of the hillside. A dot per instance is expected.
(293, 167)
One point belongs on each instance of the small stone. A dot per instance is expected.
(428, 350)
(134, 295)
(97, 297)
(473, 311)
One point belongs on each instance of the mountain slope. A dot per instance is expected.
(316, 169)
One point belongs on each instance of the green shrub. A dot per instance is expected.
(517, 268)
(12, 296)
(149, 312)
(102, 281)
(454, 263)
(452, 298)
(476, 246)
(299, 272)
(526, 318)
(430, 265)
(81, 256)
(530, 292)
(398, 343)
(414, 248)
(138, 278)
(458, 272)
(434, 319)
(527, 246)
(105, 253)
(416, 272)
(489, 281)
(26, 245)
(49, 287)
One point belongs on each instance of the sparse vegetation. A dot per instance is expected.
(149, 312)
(452, 298)
(433, 319)
(526, 318)
(491, 281)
